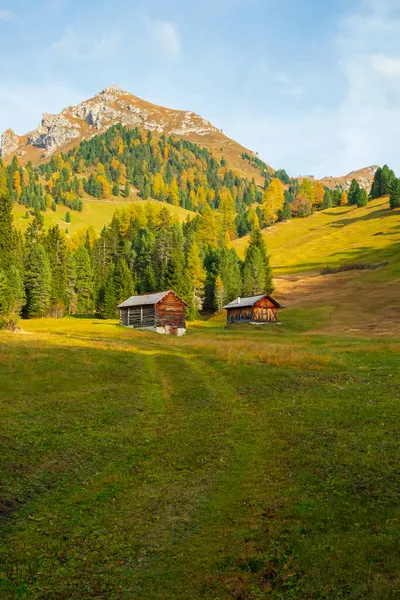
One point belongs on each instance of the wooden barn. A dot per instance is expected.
(163, 312)
(255, 309)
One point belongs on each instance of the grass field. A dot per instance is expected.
(363, 300)
(96, 213)
(336, 236)
(229, 464)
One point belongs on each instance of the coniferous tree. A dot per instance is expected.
(123, 281)
(84, 285)
(37, 283)
(4, 294)
(56, 248)
(108, 308)
(362, 199)
(253, 272)
(354, 192)
(6, 223)
(257, 241)
(395, 194)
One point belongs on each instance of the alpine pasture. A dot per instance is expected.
(234, 463)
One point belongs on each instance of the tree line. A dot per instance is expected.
(144, 249)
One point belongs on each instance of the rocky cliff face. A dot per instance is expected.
(112, 105)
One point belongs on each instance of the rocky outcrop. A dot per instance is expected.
(9, 143)
(54, 132)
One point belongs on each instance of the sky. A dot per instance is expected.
(313, 86)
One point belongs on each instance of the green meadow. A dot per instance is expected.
(234, 463)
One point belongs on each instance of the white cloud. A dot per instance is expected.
(385, 65)
(363, 127)
(77, 48)
(165, 36)
(6, 15)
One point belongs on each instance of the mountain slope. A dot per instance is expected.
(60, 133)
(360, 291)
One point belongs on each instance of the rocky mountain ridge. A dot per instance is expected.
(112, 105)
(63, 131)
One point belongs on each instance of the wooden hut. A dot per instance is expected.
(163, 312)
(254, 309)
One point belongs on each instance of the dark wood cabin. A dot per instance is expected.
(163, 312)
(255, 309)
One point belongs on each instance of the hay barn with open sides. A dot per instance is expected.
(254, 309)
(163, 312)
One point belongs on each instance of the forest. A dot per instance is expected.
(144, 248)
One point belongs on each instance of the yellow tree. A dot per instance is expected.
(306, 191)
(208, 228)
(273, 199)
(17, 183)
(227, 213)
(344, 198)
(319, 193)
(174, 193)
(158, 186)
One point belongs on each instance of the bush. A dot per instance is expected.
(9, 323)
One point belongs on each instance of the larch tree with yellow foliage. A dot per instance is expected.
(227, 213)
(344, 198)
(319, 194)
(273, 199)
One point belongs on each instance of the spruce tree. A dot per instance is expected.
(37, 283)
(84, 285)
(56, 248)
(395, 194)
(108, 309)
(354, 192)
(257, 241)
(123, 281)
(362, 199)
(254, 272)
(6, 223)
(4, 294)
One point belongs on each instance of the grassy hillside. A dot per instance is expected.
(243, 463)
(95, 212)
(362, 300)
(336, 236)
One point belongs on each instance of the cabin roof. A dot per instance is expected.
(146, 299)
(250, 301)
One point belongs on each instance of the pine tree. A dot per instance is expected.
(395, 194)
(327, 203)
(123, 281)
(6, 223)
(17, 297)
(37, 283)
(253, 272)
(108, 309)
(354, 192)
(71, 294)
(84, 285)
(56, 248)
(257, 241)
(4, 294)
(362, 199)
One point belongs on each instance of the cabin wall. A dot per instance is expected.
(170, 313)
(240, 315)
(263, 311)
(138, 316)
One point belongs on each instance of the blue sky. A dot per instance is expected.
(312, 85)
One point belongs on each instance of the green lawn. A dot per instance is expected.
(229, 464)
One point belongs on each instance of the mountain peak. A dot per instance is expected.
(113, 89)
